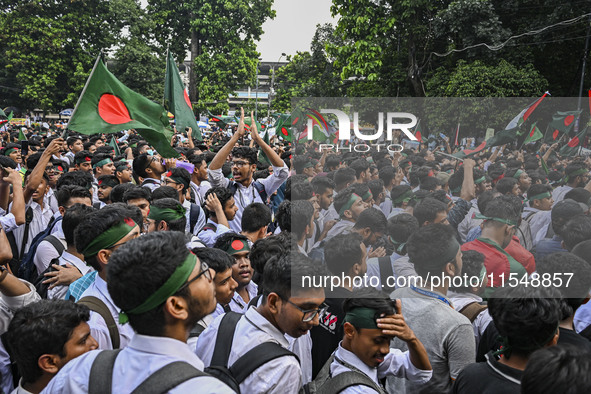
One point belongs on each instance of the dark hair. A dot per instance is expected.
(140, 163)
(571, 168)
(472, 263)
(398, 191)
(119, 190)
(244, 152)
(42, 327)
(73, 216)
(369, 297)
(562, 212)
(165, 192)
(72, 140)
(343, 176)
(283, 216)
(503, 207)
(255, 216)
(342, 252)
(576, 230)
(67, 192)
(484, 198)
(372, 218)
(426, 245)
(224, 241)
(263, 249)
(583, 250)
(321, 184)
(427, 210)
(286, 273)
(387, 174)
(137, 192)
(526, 316)
(7, 162)
(360, 166)
(342, 198)
(429, 183)
(301, 191)
(376, 186)
(77, 178)
(223, 194)
(216, 259)
(178, 172)
(567, 365)
(331, 161)
(579, 195)
(299, 162)
(302, 212)
(174, 225)
(79, 156)
(400, 228)
(98, 157)
(505, 185)
(138, 269)
(534, 190)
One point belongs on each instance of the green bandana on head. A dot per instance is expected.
(349, 204)
(480, 180)
(102, 163)
(505, 221)
(517, 174)
(166, 214)
(171, 286)
(362, 318)
(581, 171)
(404, 197)
(177, 179)
(540, 196)
(309, 164)
(367, 196)
(110, 237)
(7, 152)
(237, 246)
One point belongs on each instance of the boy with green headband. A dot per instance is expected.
(166, 214)
(102, 164)
(163, 290)
(364, 356)
(83, 161)
(179, 179)
(537, 215)
(105, 184)
(349, 206)
(96, 238)
(576, 175)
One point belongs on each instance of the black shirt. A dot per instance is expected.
(327, 335)
(571, 337)
(490, 377)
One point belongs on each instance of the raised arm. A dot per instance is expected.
(220, 157)
(468, 191)
(271, 154)
(18, 198)
(34, 179)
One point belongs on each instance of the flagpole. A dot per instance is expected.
(84, 89)
(448, 155)
(165, 74)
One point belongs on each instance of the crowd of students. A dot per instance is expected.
(128, 273)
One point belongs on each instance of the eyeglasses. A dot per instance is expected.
(152, 158)
(204, 271)
(167, 181)
(240, 163)
(310, 314)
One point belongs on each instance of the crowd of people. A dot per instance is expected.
(125, 272)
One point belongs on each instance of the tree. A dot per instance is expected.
(220, 35)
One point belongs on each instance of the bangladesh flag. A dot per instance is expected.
(571, 148)
(2, 113)
(562, 123)
(503, 137)
(525, 114)
(420, 133)
(283, 127)
(262, 156)
(113, 144)
(176, 99)
(534, 134)
(469, 152)
(221, 121)
(108, 106)
(21, 135)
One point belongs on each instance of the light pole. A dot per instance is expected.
(256, 99)
(272, 90)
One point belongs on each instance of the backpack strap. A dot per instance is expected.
(254, 301)
(97, 305)
(207, 227)
(260, 188)
(28, 219)
(100, 380)
(347, 379)
(224, 339)
(256, 357)
(56, 243)
(472, 310)
(194, 216)
(168, 377)
(386, 272)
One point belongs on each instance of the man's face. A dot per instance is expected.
(583, 179)
(516, 190)
(77, 146)
(310, 172)
(52, 174)
(230, 209)
(357, 208)
(545, 204)
(201, 171)
(175, 185)
(142, 204)
(39, 193)
(92, 148)
(241, 269)
(290, 314)
(242, 170)
(156, 165)
(524, 182)
(104, 192)
(107, 169)
(80, 342)
(369, 344)
(364, 176)
(441, 218)
(372, 238)
(99, 143)
(86, 166)
(124, 175)
(325, 199)
(16, 156)
(225, 285)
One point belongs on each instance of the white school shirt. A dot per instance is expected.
(460, 300)
(281, 375)
(209, 236)
(199, 191)
(41, 218)
(396, 363)
(98, 326)
(200, 220)
(245, 196)
(45, 251)
(59, 292)
(134, 364)
(238, 304)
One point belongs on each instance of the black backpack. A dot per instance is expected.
(386, 272)
(236, 373)
(42, 288)
(194, 214)
(258, 186)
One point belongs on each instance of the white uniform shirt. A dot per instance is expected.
(460, 300)
(238, 304)
(281, 375)
(98, 326)
(245, 196)
(59, 292)
(200, 220)
(41, 218)
(396, 363)
(134, 364)
(200, 191)
(209, 236)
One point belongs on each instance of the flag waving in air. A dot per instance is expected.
(534, 134)
(176, 99)
(562, 123)
(572, 147)
(525, 114)
(108, 106)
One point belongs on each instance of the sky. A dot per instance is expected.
(293, 27)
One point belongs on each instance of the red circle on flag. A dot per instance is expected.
(187, 99)
(555, 134)
(237, 245)
(284, 131)
(129, 222)
(574, 142)
(568, 120)
(112, 109)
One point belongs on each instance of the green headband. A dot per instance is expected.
(166, 214)
(362, 318)
(398, 245)
(109, 237)
(171, 286)
(367, 196)
(540, 196)
(7, 152)
(404, 197)
(505, 221)
(517, 174)
(580, 171)
(108, 182)
(102, 163)
(237, 246)
(177, 179)
(480, 180)
(349, 203)
(309, 164)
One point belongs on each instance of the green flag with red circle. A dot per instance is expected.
(562, 123)
(571, 148)
(108, 106)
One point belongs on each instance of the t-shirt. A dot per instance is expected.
(570, 337)
(490, 377)
(327, 335)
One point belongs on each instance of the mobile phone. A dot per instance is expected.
(24, 148)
